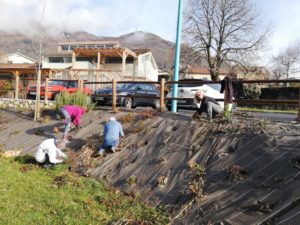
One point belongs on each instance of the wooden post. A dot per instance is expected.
(114, 95)
(299, 105)
(226, 103)
(124, 56)
(50, 74)
(81, 85)
(98, 60)
(73, 59)
(17, 84)
(46, 90)
(162, 94)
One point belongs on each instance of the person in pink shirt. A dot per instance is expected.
(72, 114)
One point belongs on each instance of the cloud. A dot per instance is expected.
(98, 17)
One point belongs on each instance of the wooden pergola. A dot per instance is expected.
(18, 69)
(106, 52)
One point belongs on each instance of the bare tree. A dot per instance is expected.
(287, 62)
(223, 30)
(39, 35)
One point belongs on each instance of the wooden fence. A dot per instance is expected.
(162, 84)
(162, 87)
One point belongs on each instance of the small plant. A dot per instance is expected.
(162, 180)
(264, 123)
(15, 133)
(128, 118)
(46, 119)
(131, 180)
(252, 91)
(196, 188)
(147, 114)
(200, 170)
(236, 172)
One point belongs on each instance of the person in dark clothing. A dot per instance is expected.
(207, 104)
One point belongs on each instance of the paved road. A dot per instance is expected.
(285, 117)
(281, 117)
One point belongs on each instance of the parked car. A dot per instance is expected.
(130, 93)
(187, 92)
(55, 88)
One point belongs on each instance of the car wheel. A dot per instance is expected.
(156, 104)
(128, 102)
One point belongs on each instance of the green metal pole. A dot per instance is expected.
(177, 56)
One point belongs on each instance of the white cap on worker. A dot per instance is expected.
(112, 118)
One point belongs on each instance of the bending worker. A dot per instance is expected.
(112, 132)
(207, 104)
(49, 152)
(71, 114)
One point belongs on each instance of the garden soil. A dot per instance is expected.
(237, 172)
(244, 171)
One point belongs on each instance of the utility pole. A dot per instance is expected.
(177, 57)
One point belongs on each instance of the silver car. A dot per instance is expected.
(187, 93)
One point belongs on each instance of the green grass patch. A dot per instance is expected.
(266, 110)
(33, 195)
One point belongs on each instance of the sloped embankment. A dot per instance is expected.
(236, 173)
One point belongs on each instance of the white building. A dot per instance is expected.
(101, 61)
(16, 58)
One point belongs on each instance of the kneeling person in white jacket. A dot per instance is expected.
(49, 152)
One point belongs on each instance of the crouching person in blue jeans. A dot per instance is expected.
(112, 132)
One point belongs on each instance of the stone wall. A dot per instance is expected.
(24, 103)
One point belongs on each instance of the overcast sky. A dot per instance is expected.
(117, 17)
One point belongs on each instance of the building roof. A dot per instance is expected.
(21, 68)
(141, 51)
(67, 53)
(110, 52)
(20, 54)
(204, 70)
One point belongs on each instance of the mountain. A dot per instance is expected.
(162, 50)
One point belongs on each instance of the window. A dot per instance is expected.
(67, 59)
(60, 59)
(150, 87)
(65, 47)
(118, 60)
(56, 60)
(141, 87)
(129, 60)
(217, 87)
(113, 60)
(84, 59)
(109, 46)
(72, 84)
(57, 83)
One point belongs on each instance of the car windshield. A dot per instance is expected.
(54, 83)
(119, 86)
(217, 87)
